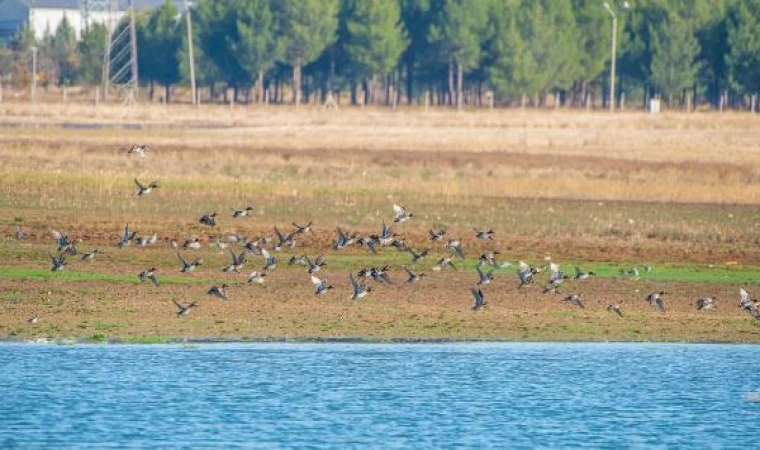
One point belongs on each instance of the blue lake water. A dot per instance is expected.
(379, 396)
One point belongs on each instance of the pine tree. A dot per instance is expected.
(674, 51)
(305, 29)
(159, 55)
(417, 16)
(91, 49)
(375, 39)
(239, 37)
(595, 40)
(743, 59)
(458, 31)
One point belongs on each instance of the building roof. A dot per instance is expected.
(121, 4)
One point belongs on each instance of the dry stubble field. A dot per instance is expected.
(677, 192)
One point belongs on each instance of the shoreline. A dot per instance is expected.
(148, 341)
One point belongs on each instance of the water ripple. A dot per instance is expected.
(380, 396)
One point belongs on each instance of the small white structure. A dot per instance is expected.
(48, 14)
(654, 105)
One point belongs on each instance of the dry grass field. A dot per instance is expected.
(678, 192)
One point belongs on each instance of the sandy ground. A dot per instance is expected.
(574, 187)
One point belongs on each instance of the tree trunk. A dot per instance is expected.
(260, 87)
(410, 82)
(388, 90)
(451, 81)
(460, 76)
(354, 94)
(167, 92)
(367, 91)
(297, 83)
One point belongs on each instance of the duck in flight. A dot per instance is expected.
(188, 266)
(126, 237)
(484, 277)
(320, 286)
(705, 303)
(301, 229)
(238, 261)
(183, 310)
(657, 299)
(436, 235)
(484, 234)
(413, 277)
(143, 189)
(574, 299)
(59, 262)
(245, 212)
(219, 292)
(401, 214)
(148, 274)
(359, 290)
(208, 219)
(478, 298)
(90, 256)
(616, 308)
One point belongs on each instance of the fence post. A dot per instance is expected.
(65, 94)
(97, 97)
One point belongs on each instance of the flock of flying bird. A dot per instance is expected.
(265, 246)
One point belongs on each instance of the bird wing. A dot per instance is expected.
(265, 254)
(178, 304)
(480, 273)
(139, 185)
(578, 271)
(398, 209)
(153, 280)
(384, 230)
(315, 281)
(354, 284)
(126, 233)
(56, 235)
(184, 263)
(744, 295)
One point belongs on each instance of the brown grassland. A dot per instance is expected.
(678, 192)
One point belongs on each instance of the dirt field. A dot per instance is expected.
(676, 192)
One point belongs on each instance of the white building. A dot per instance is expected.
(47, 14)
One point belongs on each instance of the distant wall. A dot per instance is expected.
(51, 17)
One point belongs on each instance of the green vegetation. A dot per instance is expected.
(522, 50)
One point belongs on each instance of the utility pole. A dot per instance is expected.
(34, 77)
(133, 38)
(614, 52)
(190, 52)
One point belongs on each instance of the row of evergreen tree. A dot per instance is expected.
(441, 51)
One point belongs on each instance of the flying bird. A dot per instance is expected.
(146, 189)
(484, 234)
(705, 303)
(359, 290)
(148, 274)
(218, 292)
(413, 277)
(401, 214)
(188, 266)
(478, 298)
(320, 286)
(574, 299)
(183, 310)
(616, 309)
